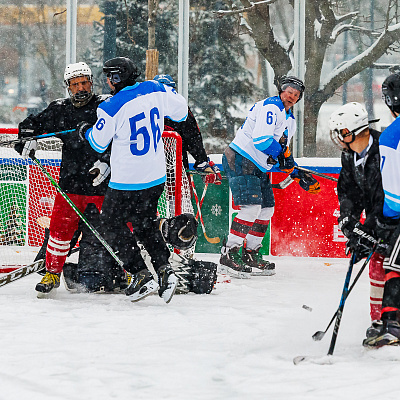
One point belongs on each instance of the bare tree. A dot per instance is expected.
(326, 21)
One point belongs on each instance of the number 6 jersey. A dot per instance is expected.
(133, 120)
(259, 136)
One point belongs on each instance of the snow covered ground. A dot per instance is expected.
(236, 343)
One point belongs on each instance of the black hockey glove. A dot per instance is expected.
(81, 129)
(385, 231)
(347, 224)
(212, 171)
(361, 241)
(306, 181)
(286, 161)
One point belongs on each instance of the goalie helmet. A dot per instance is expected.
(74, 71)
(180, 231)
(165, 79)
(293, 82)
(352, 116)
(121, 72)
(391, 92)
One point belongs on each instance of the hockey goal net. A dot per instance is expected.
(27, 196)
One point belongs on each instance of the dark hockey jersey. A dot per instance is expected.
(77, 156)
(360, 186)
(192, 141)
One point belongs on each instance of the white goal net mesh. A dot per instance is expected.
(27, 196)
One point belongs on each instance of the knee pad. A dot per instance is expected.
(246, 189)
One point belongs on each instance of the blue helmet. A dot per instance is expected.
(165, 79)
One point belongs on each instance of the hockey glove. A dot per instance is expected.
(81, 129)
(212, 171)
(306, 181)
(29, 149)
(385, 231)
(361, 241)
(101, 170)
(286, 161)
(347, 224)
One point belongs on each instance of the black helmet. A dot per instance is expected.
(391, 92)
(293, 82)
(121, 71)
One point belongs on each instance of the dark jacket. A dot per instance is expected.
(192, 141)
(360, 187)
(77, 156)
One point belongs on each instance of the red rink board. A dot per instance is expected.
(304, 224)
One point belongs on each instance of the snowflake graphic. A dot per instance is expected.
(216, 210)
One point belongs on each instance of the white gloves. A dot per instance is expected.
(101, 170)
(29, 146)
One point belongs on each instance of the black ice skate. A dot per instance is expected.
(389, 335)
(48, 285)
(168, 282)
(232, 264)
(259, 266)
(375, 329)
(142, 285)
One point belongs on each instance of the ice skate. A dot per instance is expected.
(259, 266)
(232, 264)
(141, 286)
(168, 282)
(374, 329)
(47, 287)
(389, 335)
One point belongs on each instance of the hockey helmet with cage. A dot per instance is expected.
(351, 116)
(391, 92)
(293, 82)
(74, 71)
(121, 72)
(165, 79)
(180, 231)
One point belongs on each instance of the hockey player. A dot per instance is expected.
(79, 162)
(387, 228)
(192, 141)
(261, 142)
(360, 188)
(133, 119)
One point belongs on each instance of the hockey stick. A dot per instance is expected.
(281, 185)
(331, 178)
(29, 138)
(210, 240)
(76, 209)
(320, 334)
(19, 273)
(202, 200)
(341, 304)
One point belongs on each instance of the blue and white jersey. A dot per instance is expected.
(133, 120)
(259, 136)
(389, 149)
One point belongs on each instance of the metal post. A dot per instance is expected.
(299, 71)
(72, 11)
(110, 35)
(183, 49)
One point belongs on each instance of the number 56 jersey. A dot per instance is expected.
(133, 120)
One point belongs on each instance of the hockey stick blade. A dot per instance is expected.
(22, 272)
(324, 360)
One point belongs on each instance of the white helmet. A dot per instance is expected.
(75, 70)
(352, 116)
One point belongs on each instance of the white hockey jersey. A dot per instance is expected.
(133, 120)
(389, 149)
(259, 136)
